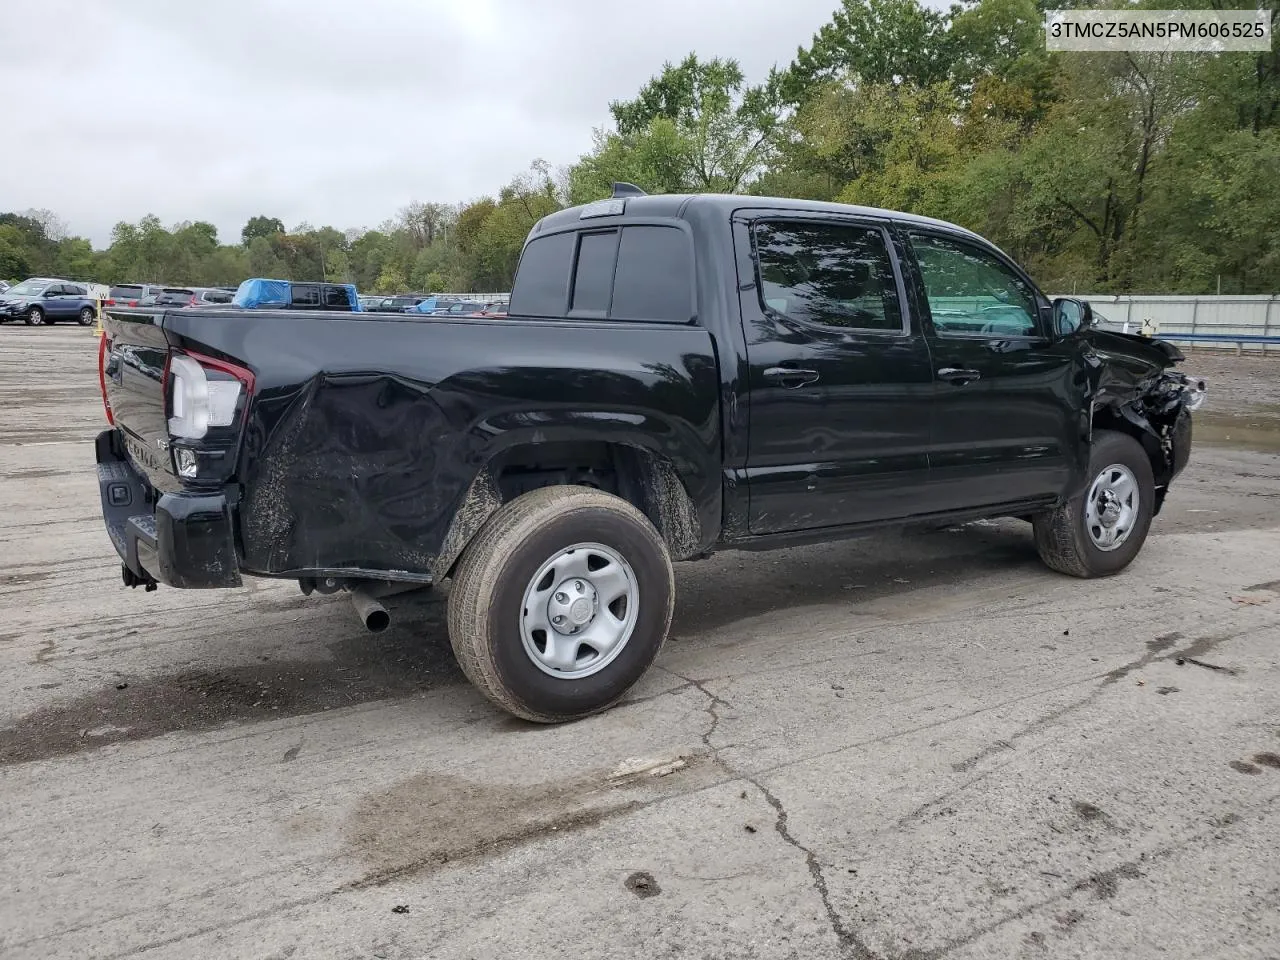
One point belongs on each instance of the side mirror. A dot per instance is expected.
(1071, 316)
(49, 293)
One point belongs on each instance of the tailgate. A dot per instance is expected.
(135, 350)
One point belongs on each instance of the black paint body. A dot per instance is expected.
(368, 434)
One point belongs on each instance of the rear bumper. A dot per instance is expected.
(179, 539)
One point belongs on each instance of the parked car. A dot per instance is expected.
(4, 285)
(176, 297)
(42, 300)
(263, 294)
(432, 304)
(465, 308)
(679, 375)
(397, 304)
(133, 294)
(214, 296)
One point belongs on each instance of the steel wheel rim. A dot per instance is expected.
(579, 611)
(1112, 507)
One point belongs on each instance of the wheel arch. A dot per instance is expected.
(645, 478)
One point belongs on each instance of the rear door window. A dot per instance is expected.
(829, 273)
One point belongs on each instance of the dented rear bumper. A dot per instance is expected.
(179, 539)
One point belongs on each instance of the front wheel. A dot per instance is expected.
(560, 603)
(1100, 531)
(87, 317)
(35, 317)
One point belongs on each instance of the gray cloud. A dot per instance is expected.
(332, 112)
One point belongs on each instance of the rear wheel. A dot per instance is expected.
(35, 317)
(1099, 532)
(561, 603)
(87, 317)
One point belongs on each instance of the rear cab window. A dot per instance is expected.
(634, 271)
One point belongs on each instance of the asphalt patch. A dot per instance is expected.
(421, 824)
(642, 885)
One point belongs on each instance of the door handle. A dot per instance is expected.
(791, 376)
(958, 376)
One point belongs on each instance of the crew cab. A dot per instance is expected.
(676, 375)
(43, 300)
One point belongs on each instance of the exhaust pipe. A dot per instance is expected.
(372, 614)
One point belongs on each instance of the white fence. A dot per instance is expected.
(1242, 323)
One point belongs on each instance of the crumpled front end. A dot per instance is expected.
(1138, 391)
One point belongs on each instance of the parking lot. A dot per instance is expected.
(913, 746)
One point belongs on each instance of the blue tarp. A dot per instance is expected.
(257, 293)
(260, 293)
(426, 306)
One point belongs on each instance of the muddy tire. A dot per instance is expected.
(1100, 531)
(560, 603)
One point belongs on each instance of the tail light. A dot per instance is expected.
(204, 393)
(108, 303)
(104, 348)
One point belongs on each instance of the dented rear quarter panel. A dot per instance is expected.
(366, 433)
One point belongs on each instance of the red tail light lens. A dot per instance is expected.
(104, 347)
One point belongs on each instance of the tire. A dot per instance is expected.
(547, 534)
(35, 317)
(87, 317)
(1071, 540)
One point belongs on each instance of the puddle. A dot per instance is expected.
(1258, 430)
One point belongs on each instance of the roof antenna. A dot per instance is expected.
(623, 189)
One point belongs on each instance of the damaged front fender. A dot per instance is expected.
(1133, 388)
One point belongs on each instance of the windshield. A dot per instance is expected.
(27, 288)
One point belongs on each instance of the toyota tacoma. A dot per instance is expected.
(677, 375)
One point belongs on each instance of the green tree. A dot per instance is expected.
(260, 227)
(885, 42)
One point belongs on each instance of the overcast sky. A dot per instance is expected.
(332, 112)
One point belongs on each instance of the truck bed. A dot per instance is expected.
(365, 434)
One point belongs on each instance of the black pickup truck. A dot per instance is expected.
(677, 375)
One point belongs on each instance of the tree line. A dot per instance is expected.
(1103, 172)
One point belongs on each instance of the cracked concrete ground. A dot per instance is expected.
(903, 747)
